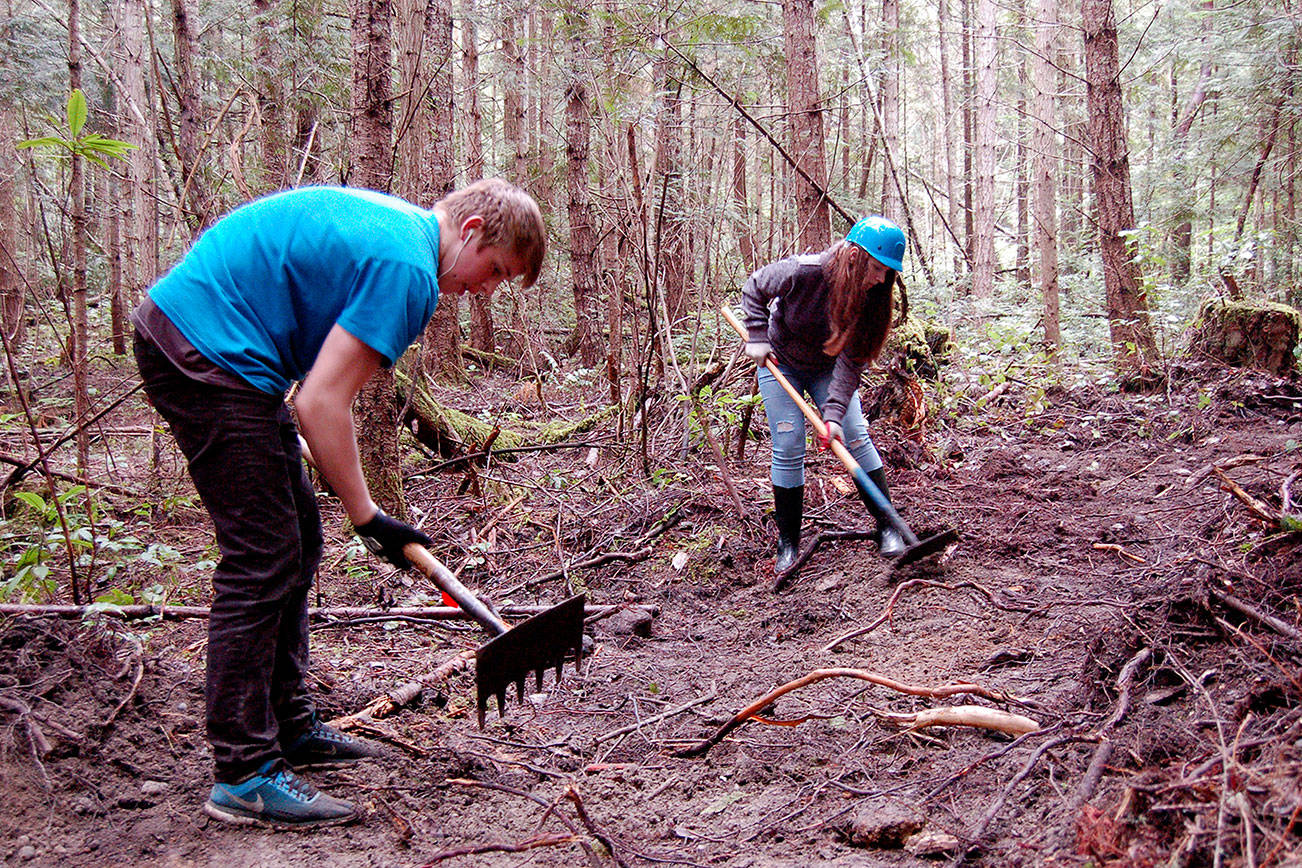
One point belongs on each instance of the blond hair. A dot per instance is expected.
(859, 311)
(511, 220)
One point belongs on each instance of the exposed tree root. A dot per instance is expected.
(752, 710)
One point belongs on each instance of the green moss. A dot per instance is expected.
(558, 432)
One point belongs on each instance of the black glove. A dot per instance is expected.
(385, 536)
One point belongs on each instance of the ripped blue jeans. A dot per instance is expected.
(787, 425)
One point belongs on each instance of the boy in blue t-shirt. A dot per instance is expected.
(323, 285)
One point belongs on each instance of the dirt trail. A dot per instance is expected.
(1094, 535)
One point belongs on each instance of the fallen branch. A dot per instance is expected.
(429, 613)
(24, 464)
(1260, 510)
(633, 727)
(406, 694)
(890, 607)
(784, 578)
(1098, 763)
(1120, 550)
(769, 698)
(519, 847)
(550, 811)
(1243, 608)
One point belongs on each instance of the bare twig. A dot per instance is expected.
(632, 727)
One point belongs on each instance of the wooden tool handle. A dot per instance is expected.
(838, 448)
(450, 585)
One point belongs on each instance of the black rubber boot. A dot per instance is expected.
(889, 541)
(788, 512)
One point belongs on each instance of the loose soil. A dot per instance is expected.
(1095, 584)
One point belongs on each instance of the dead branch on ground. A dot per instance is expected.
(1098, 763)
(754, 708)
(890, 607)
(1259, 509)
(784, 578)
(428, 613)
(633, 727)
(550, 810)
(406, 694)
(518, 847)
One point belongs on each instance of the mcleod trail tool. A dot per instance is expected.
(540, 643)
(916, 548)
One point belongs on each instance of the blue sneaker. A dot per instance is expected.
(277, 798)
(326, 746)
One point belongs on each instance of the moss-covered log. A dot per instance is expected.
(447, 431)
(1261, 335)
(559, 431)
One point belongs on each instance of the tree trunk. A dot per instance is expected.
(13, 298)
(670, 244)
(586, 339)
(371, 124)
(806, 119)
(436, 173)
(969, 145)
(947, 133)
(1133, 346)
(745, 225)
(370, 153)
(1023, 192)
(80, 240)
(891, 204)
(985, 47)
(271, 94)
(1044, 150)
(195, 200)
(1182, 235)
(482, 336)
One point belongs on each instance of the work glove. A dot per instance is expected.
(758, 351)
(834, 432)
(385, 536)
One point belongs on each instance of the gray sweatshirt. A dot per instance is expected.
(785, 303)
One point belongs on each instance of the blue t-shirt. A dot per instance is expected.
(261, 289)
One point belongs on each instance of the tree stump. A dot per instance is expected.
(1261, 335)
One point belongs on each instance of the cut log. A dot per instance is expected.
(1261, 335)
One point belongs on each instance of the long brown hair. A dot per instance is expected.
(860, 311)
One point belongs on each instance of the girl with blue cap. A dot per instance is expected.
(823, 317)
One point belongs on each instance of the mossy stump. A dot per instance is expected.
(1261, 335)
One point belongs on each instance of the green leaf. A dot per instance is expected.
(45, 142)
(115, 597)
(76, 112)
(32, 499)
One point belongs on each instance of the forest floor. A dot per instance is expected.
(1106, 584)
